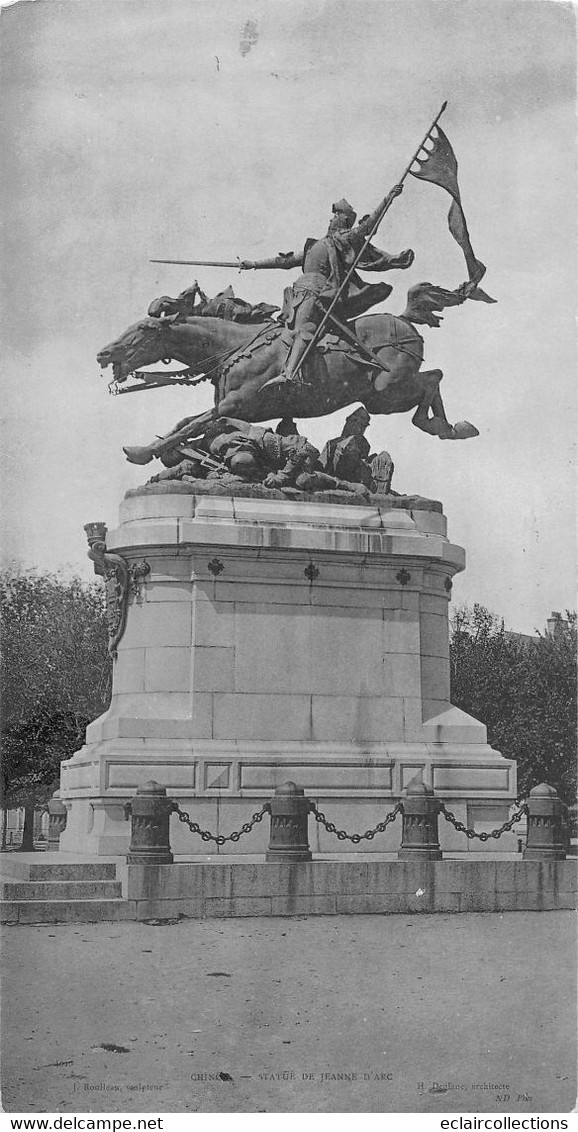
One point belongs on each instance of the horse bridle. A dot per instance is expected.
(149, 379)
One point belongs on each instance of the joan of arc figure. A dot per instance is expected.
(326, 263)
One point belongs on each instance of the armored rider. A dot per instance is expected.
(325, 264)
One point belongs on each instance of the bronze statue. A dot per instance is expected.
(240, 360)
(287, 427)
(259, 455)
(254, 368)
(233, 451)
(347, 457)
(223, 305)
(246, 452)
(326, 264)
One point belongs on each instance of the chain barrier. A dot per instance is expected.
(341, 834)
(355, 837)
(220, 839)
(495, 833)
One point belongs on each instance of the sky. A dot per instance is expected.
(205, 129)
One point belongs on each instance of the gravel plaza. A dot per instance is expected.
(435, 1013)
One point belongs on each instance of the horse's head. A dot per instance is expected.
(142, 344)
(425, 300)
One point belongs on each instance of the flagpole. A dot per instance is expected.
(368, 239)
(421, 145)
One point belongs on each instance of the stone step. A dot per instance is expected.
(51, 871)
(65, 912)
(27, 890)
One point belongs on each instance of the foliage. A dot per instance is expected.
(524, 690)
(55, 676)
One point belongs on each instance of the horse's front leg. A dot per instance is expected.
(190, 426)
(438, 424)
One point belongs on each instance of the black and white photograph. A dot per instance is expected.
(287, 588)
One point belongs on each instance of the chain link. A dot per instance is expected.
(220, 839)
(355, 837)
(341, 834)
(495, 833)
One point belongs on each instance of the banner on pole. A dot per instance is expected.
(439, 165)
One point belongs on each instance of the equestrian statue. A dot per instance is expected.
(323, 352)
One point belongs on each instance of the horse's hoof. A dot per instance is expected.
(440, 428)
(138, 455)
(463, 430)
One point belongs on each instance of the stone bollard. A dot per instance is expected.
(57, 815)
(420, 837)
(546, 827)
(289, 817)
(150, 811)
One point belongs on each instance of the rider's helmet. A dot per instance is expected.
(356, 422)
(342, 208)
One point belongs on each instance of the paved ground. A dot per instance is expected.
(248, 1015)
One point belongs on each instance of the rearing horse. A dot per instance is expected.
(243, 358)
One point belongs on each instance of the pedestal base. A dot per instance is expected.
(275, 641)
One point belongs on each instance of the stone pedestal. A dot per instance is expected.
(274, 640)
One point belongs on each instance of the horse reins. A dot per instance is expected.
(181, 378)
(149, 378)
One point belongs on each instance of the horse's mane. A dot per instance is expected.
(251, 329)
